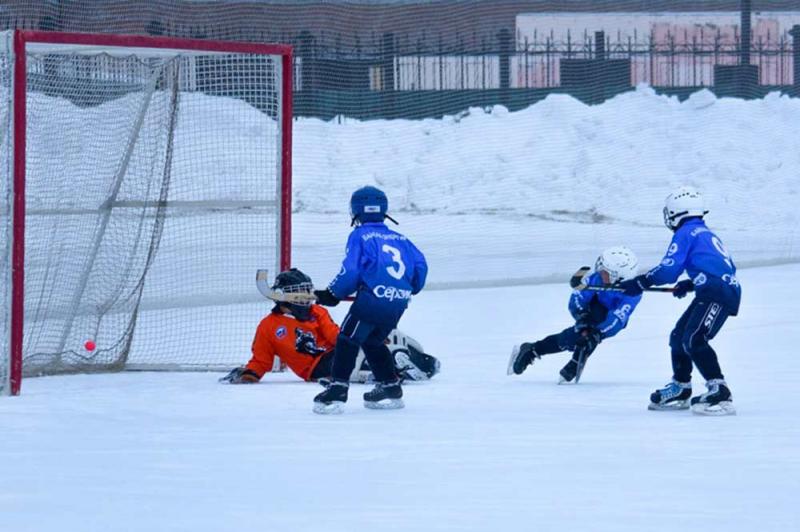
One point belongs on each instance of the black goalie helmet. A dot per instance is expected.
(291, 282)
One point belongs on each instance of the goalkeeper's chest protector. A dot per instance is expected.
(298, 343)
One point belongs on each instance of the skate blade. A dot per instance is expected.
(562, 380)
(334, 408)
(723, 408)
(514, 353)
(675, 405)
(385, 404)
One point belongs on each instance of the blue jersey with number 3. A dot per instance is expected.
(698, 251)
(384, 268)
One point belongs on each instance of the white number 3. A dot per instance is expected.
(398, 272)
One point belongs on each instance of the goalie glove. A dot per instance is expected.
(241, 376)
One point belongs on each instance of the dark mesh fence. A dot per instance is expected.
(413, 59)
(493, 189)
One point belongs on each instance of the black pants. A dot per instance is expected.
(354, 333)
(596, 314)
(688, 341)
(556, 343)
(324, 367)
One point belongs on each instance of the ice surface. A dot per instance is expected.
(473, 450)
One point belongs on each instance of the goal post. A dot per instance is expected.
(144, 180)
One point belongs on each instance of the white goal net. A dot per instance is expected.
(154, 177)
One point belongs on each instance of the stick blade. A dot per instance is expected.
(262, 283)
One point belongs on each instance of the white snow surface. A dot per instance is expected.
(474, 449)
(492, 198)
(496, 197)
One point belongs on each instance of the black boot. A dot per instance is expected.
(332, 399)
(568, 372)
(521, 358)
(384, 396)
(717, 401)
(673, 396)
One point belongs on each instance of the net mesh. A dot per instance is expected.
(152, 182)
(6, 196)
(515, 139)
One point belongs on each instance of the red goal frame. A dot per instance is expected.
(21, 38)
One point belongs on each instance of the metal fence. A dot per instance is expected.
(666, 62)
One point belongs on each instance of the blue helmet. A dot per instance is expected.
(368, 204)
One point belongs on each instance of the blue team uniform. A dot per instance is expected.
(384, 269)
(606, 312)
(616, 306)
(696, 250)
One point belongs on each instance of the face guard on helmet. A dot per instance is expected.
(294, 290)
(618, 263)
(368, 204)
(685, 202)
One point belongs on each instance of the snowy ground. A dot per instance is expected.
(473, 450)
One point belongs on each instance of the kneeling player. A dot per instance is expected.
(598, 315)
(303, 335)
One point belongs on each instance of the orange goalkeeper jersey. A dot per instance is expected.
(298, 343)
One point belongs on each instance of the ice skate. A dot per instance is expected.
(522, 356)
(674, 396)
(717, 401)
(332, 400)
(568, 372)
(384, 397)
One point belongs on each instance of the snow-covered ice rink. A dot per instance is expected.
(474, 449)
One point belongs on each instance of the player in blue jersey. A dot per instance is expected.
(598, 315)
(696, 250)
(383, 269)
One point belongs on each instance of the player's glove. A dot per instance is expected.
(635, 286)
(241, 376)
(588, 340)
(326, 297)
(583, 322)
(683, 288)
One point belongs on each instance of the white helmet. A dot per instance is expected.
(683, 203)
(620, 263)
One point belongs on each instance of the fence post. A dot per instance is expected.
(795, 33)
(387, 62)
(600, 45)
(504, 42)
(744, 43)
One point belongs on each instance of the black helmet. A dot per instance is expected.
(294, 281)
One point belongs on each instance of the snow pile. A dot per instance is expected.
(617, 160)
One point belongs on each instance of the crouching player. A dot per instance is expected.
(598, 315)
(712, 275)
(302, 334)
(384, 269)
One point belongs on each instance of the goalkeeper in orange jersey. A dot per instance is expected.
(303, 335)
